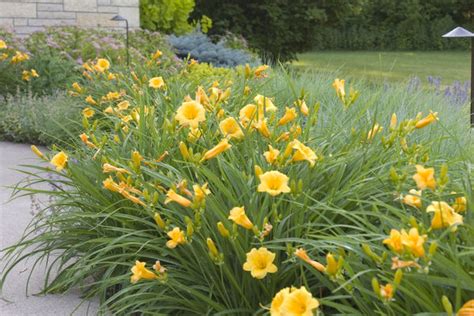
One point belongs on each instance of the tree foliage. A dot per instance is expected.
(169, 16)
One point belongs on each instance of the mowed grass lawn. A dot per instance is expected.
(392, 66)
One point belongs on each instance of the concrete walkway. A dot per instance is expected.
(15, 216)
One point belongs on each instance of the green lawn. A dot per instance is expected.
(393, 66)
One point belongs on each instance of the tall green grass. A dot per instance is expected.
(92, 236)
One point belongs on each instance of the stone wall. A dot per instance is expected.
(27, 16)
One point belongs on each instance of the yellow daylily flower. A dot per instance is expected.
(88, 112)
(303, 153)
(294, 302)
(265, 104)
(259, 71)
(424, 178)
(19, 57)
(172, 196)
(200, 192)
(290, 115)
(400, 264)
(238, 216)
(260, 262)
(467, 309)
(413, 199)
(273, 183)
(394, 241)
(332, 265)
(375, 130)
(157, 54)
(3, 45)
(107, 168)
(248, 114)
(303, 255)
(386, 291)
(112, 95)
(176, 238)
(432, 117)
(303, 107)
(156, 82)
(460, 203)
(102, 65)
(262, 127)
(122, 106)
(111, 76)
(271, 155)
(91, 100)
(338, 85)
(229, 127)
(190, 113)
(59, 160)
(140, 272)
(413, 241)
(222, 146)
(444, 215)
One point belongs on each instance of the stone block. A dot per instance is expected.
(17, 10)
(8, 23)
(103, 2)
(80, 5)
(132, 14)
(125, 3)
(56, 15)
(20, 22)
(95, 20)
(108, 9)
(50, 22)
(28, 29)
(49, 7)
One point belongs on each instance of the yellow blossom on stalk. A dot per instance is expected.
(273, 183)
(413, 241)
(157, 54)
(88, 112)
(91, 100)
(247, 90)
(140, 272)
(123, 105)
(158, 267)
(238, 216)
(172, 196)
(37, 152)
(222, 146)
(467, 309)
(111, 76)
(399, 264)
(444, 215)
(375, 130)
(136, 159)
(393, 121)
(432, 117)
(77, 87)
(59, 160)
(176, 238)
(260, 262)
(338, 85)
(159, 221)
(112, 95)
(25, 75)
(293, 302)
(109, 110)
(259, 71)
(19, 57)
(265, 104)
(194, 134)
(111, 185)
(460, 203)
(34, 73)
(222, 230)
(332, 265)
(424, 178)
(229, 127)
(262, 127)
(248, 114)
(413, 199)
(303, 107)
(200, 192)
(107, 168)
(394, 241)
(102, 65)
(303, 152)
(202, 97)
(156, 82)
(290, 115)
(85, 140)
(3, 45)
(271, 155)
(190, 113)
(303, 255)
(3, 56)
(386, 291)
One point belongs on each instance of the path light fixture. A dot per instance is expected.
(121, 18)
(461, 32)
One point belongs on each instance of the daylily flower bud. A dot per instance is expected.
(258, 170)
(331, 266)
(398, 277)
(376, 286)
(433, 248)
(393, 121)
(212, 248)
(159, 221)
(448, 307)
(37, 152)
(222, 230)
(184, 150)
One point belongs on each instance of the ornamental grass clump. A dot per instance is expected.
(256, 193)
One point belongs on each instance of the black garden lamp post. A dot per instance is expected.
(121, 18)
(461, 32)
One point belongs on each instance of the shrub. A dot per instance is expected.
(168, 174)
(169, 16)
(200, 47)
(39, 120)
